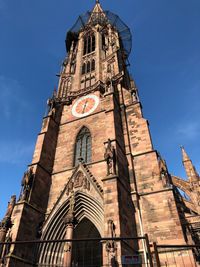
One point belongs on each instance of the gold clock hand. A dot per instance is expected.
(84, 106)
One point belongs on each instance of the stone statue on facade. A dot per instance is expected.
(110, 158)
(165, 178)
(51, 102)
(4, 250)
(27, 182)
(111, 246)
(11, 205)
(72, 203)
(6, 222)
(39, 229)
(134, 95)
(70, 218)
(5, 226)
(109, 86)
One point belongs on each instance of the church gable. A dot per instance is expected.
(82, 181)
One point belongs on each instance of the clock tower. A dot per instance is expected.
(94, 172)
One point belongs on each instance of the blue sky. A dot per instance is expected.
(165, 62)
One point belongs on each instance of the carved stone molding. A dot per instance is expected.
(78, 181)
(71, 95)
(191, 189)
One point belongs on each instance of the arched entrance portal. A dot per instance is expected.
(89, 214)
(86, 253)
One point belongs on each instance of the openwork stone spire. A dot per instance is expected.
(189, 168)
(97, 8)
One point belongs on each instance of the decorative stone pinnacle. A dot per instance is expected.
(184, 154)
(97, 1)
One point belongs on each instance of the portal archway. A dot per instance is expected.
(89, 214)
(86, 253)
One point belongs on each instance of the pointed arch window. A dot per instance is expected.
(83, 68)
(93, 65)
(93, 43)
(83, 146)
(88, 67)
(103, 41)
(89, 43)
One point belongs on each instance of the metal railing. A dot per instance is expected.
(92, 252)
(98, 252)
(176, 255)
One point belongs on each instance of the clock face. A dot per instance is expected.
(85, 105)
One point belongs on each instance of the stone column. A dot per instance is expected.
(70, 222)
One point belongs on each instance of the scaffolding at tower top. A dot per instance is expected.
(103, 18)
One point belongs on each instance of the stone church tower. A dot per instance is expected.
(95, 172)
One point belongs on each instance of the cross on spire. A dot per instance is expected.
(97, 1)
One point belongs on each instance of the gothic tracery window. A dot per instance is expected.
(83, 68)
(83, 146)
(89, 44)
(93, 65)
(103, 41)
(89, 67)
(93, 43)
